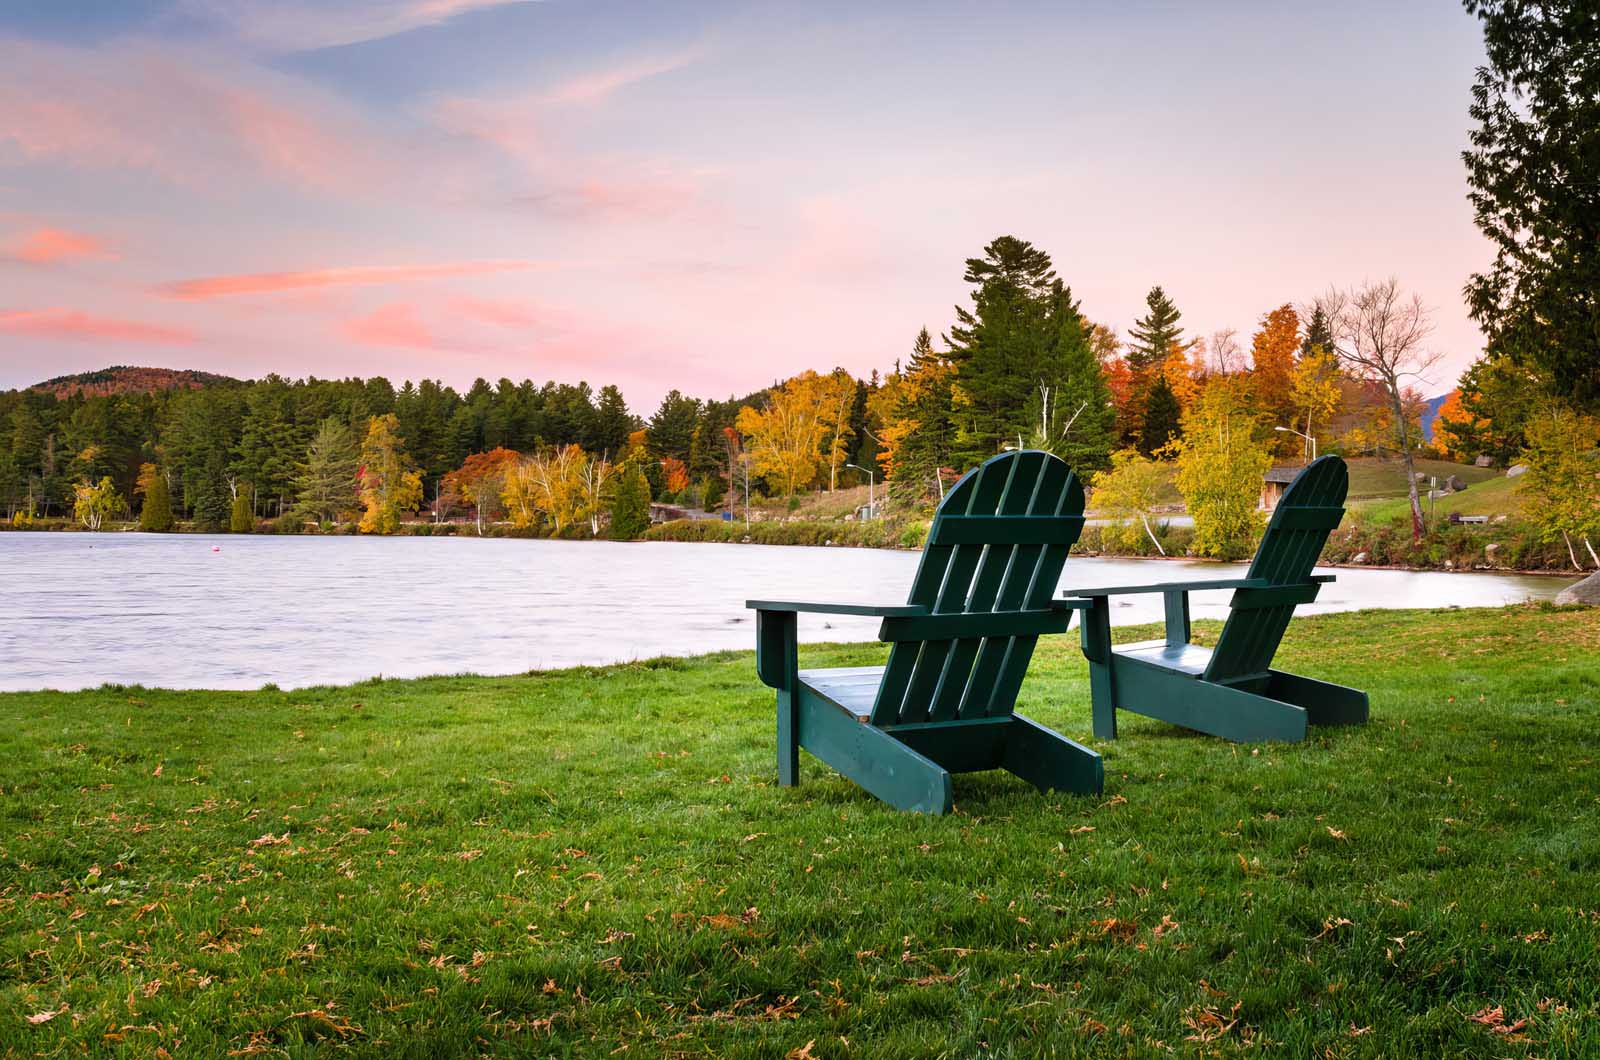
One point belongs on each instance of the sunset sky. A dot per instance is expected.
(698, 195)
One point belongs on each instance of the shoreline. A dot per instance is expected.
(438, 530)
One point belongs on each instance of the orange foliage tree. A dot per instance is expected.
(479, 481)
(1272, 350)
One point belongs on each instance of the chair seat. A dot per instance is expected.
(853, 688)
(1189, 659)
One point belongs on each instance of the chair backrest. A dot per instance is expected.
(1309, 510)
(997, 543)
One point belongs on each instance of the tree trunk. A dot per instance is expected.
(1405, 453)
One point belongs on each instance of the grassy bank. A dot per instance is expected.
(581, 861)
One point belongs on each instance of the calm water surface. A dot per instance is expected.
(80, 610)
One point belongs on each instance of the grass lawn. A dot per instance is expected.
(1374, 479)
(595, 860)
(1496, 496)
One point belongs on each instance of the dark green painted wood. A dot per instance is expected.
(1211, 708)
(1007, 530)
(872, 758)
(943, 703)
(1324, 703)
(869, 610)
(1275, 597)
(1176, 602)
(1050, 761)
(989, 624)
(1231, 690)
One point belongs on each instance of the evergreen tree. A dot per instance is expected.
(1002, 349)
(1155, 333)
(1162, 417)
(671, 429)
(326, 484)
(155, 517)
(1532, 172)
(208, 495)
(921, 433)
(630, 504)
(1072, 405)
(241, 515)
(1319, 333)
(612, 423)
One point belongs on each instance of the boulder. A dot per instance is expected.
(1359, 557)
(1484, 461)
(1490, 549)
(1585, 592)
(1455, 483)
(1516, 469)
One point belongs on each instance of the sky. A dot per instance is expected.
(703, 196)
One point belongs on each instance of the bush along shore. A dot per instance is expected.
(1508, 547)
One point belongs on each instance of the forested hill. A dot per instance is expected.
(129, 379)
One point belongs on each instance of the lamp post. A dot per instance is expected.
(872, 490)
(1307, 437)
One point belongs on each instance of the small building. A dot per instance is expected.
(1274, 483)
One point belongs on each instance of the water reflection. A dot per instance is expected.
(79, 610)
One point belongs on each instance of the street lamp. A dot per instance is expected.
(1307, 437)
(872, 505)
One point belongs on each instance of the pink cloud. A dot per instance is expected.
(45, 246)
(73, 325)
(600, 85)
(275, 282)
(491, 311)
(394, 324)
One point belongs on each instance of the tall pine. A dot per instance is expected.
(1155, 333)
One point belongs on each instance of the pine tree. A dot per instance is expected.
(155, 516)
(1532, 174)
(630, 505)
(1319, 333)
(1162, 417)
(1072, 408)
(241, 517)
(920, 432)
(1154, 334)
(671, 429)
(326, 484)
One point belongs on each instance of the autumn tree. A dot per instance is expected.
(327, 483)
(916, 412)
(1564, 478)
(155, 514)
(95, 502)
(1127, 494)
(785, 438)
(549, 486)
(835, 402)
(390, 486)
(1314, 392)
(1220, 466)
(1378, 335)
(1272, 350)
(479, 481)
(595, 474)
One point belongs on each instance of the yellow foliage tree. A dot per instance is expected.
(94, 503)
(1220, 465)
(1564, 478)
(785, 438)
(390, 486)
(554, 486)
(1314, 389)
(1184, 372)
(1127, 494)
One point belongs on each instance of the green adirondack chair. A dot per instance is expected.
(981, 598)
(1231, 690)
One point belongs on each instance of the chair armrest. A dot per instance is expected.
(1169, 587)
(1068, 605)
(868, 610)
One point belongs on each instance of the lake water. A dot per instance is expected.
(79, 610)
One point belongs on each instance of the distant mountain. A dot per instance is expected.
(129, 379)
(1430, 413)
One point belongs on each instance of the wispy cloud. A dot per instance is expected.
(393, 324)
(276, 282)
(73, 325)
(296, 25)
(47, 245)
(600, 85)
(183, 116)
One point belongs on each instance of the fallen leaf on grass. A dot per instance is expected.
(46, 1016)
(1337, 834)
(802, 1053)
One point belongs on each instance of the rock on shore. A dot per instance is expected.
(1585, 592)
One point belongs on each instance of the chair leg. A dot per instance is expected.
(1050, 761)
(872, 758)
(1230, 713)
(788, 741)
(1324, 703)
(1095, 632)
